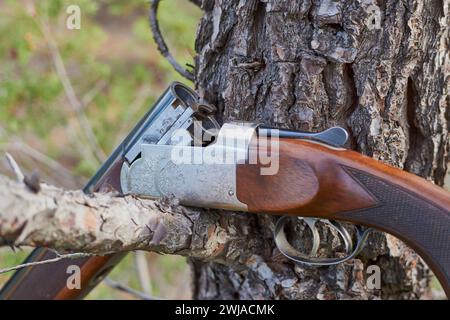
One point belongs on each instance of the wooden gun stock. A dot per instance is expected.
(319, 181)
(49, 281)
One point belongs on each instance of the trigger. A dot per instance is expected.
(293, 254)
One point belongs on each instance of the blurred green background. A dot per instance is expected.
(112, 73)
(68, 97)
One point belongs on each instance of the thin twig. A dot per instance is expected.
(118, 286)
(91, 94)
(142, 271)
(162, 47)
(76, 105)
(141, 96)
(86, 153)
(19, 145)
(56, 259)
(15, 167)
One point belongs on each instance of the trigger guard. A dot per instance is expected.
(293, 254)
(348, 243)
(311, 223)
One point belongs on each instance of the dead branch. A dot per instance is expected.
(159, 39)
(15, 167)
(71, 221)
(48, 261)
(121, 287)
(95, 151)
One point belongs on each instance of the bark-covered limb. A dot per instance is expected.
(73, 221)
(102, 223)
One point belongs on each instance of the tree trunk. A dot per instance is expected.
(311, 64)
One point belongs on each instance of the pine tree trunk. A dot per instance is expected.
(311, 64)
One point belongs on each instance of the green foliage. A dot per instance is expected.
(114, 45)
(8, 258)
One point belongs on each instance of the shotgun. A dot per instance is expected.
(178, 146)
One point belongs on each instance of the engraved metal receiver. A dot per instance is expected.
(178, 108)
(172, 158)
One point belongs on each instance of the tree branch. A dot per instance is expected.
(159, 39)
(71, 221)
(37, 263)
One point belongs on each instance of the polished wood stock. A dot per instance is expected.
(319, 181)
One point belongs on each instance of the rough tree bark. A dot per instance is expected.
(71, 221)
(311, 64)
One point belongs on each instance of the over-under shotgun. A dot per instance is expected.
(259, 170)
